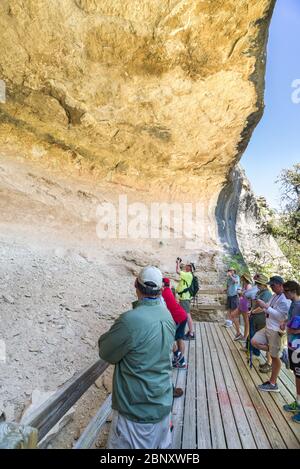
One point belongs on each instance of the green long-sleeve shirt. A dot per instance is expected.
(139, 344)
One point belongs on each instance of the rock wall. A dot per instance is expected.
(160, 93)
(239, 226)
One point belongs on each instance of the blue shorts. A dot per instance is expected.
(232, 302)
(180, 330)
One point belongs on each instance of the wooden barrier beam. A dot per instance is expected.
(92, 431)
(49, 413)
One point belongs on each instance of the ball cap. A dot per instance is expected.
(150, 276)
(276, 279)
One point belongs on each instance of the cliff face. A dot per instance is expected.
(239, 225)
(161, 92)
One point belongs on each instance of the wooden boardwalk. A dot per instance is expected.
(221, 406)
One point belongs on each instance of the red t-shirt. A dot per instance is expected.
(178, 313)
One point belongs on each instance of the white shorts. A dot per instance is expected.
(126, 434)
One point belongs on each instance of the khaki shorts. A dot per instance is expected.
(273, 339)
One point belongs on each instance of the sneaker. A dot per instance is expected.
(228, 323)
(296, 418)
(189, 336)
(285, 358)
(239, 337)
(176, 356)
(265, 368)
(177, 392)
(268, 387)
(180, 365)
(293, 407)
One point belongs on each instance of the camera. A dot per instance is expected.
(179, 259)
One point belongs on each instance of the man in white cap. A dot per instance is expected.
(139, 344)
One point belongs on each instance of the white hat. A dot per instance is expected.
(150, 274)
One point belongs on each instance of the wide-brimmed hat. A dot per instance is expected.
(247, 277)
(261, 279)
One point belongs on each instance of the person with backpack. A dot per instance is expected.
(187, 288)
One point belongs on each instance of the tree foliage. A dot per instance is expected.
(284, 224)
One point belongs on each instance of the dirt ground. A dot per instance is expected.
(61, 287)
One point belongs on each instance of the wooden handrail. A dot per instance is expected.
(51, 411)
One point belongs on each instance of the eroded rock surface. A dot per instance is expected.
(156, 91)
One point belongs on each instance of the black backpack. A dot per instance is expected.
(193, 288)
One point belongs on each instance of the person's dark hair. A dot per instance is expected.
(292, 286)
(150, 289)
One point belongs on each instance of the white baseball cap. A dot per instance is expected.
(150, 274)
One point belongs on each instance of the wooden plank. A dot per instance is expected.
(203, 427)
(189, 440)
(259, 435)
(289, 375)
(286, 387)
(280, 399)
(14, 436)
(229, 425)
(233, 390)
(178, 404)
(49, 413)
(261, 407)
(92, 431)
(216, 425)
(279, 425)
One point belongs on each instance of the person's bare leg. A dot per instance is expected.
(181, 346)
(246, 325)
(298, 386)
(235, 318)
(255, 344)
(268, 358)
(190, 324)
(276, 365)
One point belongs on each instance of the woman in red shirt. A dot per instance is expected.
(180, 318)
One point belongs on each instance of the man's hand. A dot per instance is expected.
(261, 304)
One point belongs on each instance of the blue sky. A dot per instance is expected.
(275, 144)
